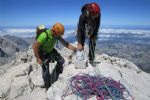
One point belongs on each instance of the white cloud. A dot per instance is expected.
(68, 32)
(20, 30)
(105, 35)
(126, 31)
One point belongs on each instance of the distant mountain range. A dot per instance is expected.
(9, 45)
(131, 44)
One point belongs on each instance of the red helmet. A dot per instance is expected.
(94, 8)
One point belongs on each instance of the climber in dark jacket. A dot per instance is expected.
(88, 27)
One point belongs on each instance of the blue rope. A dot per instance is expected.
(86, 86)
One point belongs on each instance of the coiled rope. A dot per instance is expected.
(86, 86)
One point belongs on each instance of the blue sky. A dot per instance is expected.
(35, 12)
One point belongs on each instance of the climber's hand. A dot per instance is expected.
(80, 47)
(39, 61)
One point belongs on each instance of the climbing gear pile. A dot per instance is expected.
(104, 88)
(86, 86)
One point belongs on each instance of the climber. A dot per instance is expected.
(45, 52)
(88, 26)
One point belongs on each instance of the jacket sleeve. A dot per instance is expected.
(97, 25)
(81, 29)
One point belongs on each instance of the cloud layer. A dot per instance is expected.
(126, 31)
(20, 30)
(104, 32)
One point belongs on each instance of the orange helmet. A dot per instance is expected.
(58, 29)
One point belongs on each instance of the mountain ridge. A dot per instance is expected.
(23, 80)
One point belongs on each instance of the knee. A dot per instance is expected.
(45, 73)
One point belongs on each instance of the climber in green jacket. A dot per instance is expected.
(45, 52)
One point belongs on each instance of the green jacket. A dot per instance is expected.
(47, 43)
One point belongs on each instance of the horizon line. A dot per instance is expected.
(73, 25)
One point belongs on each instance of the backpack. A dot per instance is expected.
(39, 31)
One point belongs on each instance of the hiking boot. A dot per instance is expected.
(92, 63)
(46, 86)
